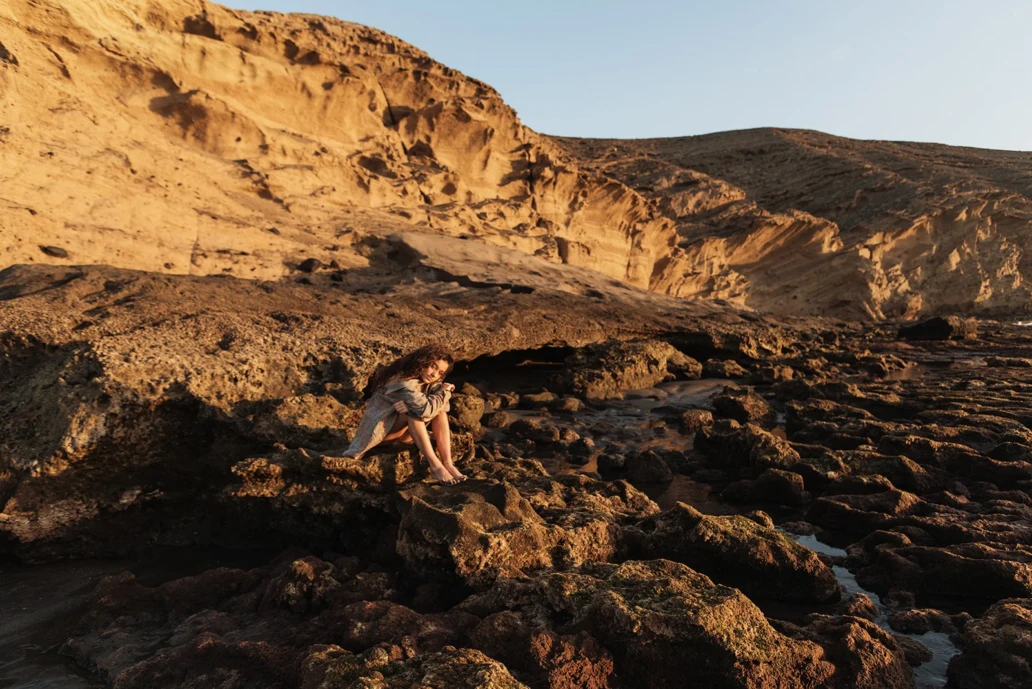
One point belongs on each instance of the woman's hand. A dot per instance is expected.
(400, 406)
(448, 386)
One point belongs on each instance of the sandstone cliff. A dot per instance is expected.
(185, 137)
(806, 223)
(181, 136)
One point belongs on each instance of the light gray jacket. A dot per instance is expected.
(423, 403)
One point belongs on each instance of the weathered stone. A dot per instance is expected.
(748, 448)
(997, 649)
(694, 420)
(738, 552)
(723, 368)
(941, 328)
(663, 622)
(743, 405)
(387, 667)
(602, 371)
(648, 467)
(495, 419)
(467, 411)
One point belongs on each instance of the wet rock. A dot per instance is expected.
(538, 400)
(387, 667)
(859, 605)
(977, 571)
(723, 368)
(865, 656)
(761, 518)
(738, 552)
(773, 485)
(997, 649)
(495, 419)
(663, 622)
(748, 448)
(923, 620)
(581, 450)
(496, 401)
(915, 652)
(603, 371)
(941, 328)
(710, 476)
(609, 463)
(542, 656)
(467, 411)
(861, 514)
(694, 420)
(534, 430)
(648, 467)
(744, 406)
(800, 528)
(568, 404)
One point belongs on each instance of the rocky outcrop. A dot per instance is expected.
(997, 649)
(736, 551)
(603, 371)
(149, 395)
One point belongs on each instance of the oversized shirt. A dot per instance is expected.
(423, 403)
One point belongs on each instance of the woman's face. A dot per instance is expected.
(434, 373)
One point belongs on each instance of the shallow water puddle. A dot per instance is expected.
(930, 674)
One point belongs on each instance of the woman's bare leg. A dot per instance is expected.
(422, 437)
(442, 438)
(399, 432)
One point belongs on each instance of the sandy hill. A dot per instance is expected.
(184, 137)
(802, 222)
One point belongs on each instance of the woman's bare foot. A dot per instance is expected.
(454, 472)
(442, 475)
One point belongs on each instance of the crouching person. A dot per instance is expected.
(409, 401)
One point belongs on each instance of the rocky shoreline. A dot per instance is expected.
(164, 410)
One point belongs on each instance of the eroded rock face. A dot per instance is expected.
(603, 371)
(663, 622)
(330, 667)
(488, 529)
(736, 551)
(756, 212)
(151, 395)
(745, 449)
(997, 650)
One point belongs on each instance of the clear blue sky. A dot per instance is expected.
(948, 71)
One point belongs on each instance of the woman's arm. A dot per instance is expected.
(420, 405)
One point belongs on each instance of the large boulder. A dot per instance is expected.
(664, 624)
(736, 551)
(744, 449)
(972, 571)
(997, 649)
(488, 528)
(941, 328)
(603, 371)
(744, 406)
(389, 667)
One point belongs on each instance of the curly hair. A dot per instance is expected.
(411, 365)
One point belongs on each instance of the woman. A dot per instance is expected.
(408, 395)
